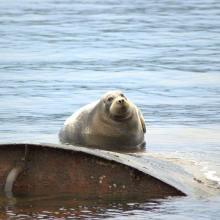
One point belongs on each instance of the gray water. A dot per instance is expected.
(56, 56)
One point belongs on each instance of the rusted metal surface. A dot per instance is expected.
(63, 166)
(55, 167)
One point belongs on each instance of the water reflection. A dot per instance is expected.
(57, 204)
(72, 205)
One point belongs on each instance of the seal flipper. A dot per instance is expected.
(142, 120)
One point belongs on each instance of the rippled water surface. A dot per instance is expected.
(57, 56)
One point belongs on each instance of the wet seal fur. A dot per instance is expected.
(113, 122)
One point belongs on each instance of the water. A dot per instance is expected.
(57, 56)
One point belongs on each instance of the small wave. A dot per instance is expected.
(210, 175)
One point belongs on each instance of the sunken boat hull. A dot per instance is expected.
(64, 167)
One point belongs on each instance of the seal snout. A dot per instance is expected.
(119, 106)
(120, 101)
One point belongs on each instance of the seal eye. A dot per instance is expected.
(110, 99)
(122, 95)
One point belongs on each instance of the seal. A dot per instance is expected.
(113, 122)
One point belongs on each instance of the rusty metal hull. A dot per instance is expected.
(79, 168)
(63, 167)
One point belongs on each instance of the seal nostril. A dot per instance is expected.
(120, 101)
